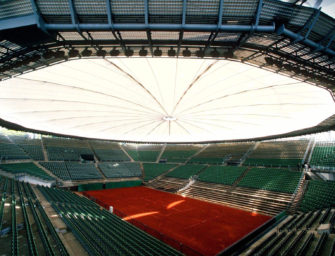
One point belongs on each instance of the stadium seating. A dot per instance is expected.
(279, 180)
(32, 147)
(57, 168)
(82, 171)
(323, 154)
(151, 171)
(30, 229)
(278, 153)
(185, 171)
(147, 153)
(26, 168)
(319, 194)
(221, 174)
(222, 153)
(61, 149)
(120, 170)
(100, 232)
(9, 151)
(296, 235)
(107, 151)
(178, 153)
(73, 170)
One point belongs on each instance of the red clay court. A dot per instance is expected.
(205, 227)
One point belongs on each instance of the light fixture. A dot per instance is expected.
(200, 53)
(157, 52)
(86, 52)
(269, 60)
(114, 52)
(215, 53)
(59, 54)
(143, 52)
(186, 52)
(48, 54)
(101, 52)
(172, 52)
(129, 52)
(73, 53)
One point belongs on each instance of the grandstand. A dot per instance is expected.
(181, 127)
(278, 154)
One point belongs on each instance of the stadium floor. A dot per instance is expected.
(205, 227)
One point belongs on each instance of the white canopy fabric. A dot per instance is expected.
(162, 100)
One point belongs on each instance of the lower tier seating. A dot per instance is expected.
(319, 194)
(99, 231)
(262, 201)
(120, 170)
(26, 168)
(280, 180)
(151, 171)
(296, 235)
(30, 231)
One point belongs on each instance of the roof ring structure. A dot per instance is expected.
(294, 38)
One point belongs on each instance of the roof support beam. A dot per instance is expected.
(309, 24)
(20, 21)
(146, 21)
(74, 18)
(183, 22)
(109, 13)
(259, 10)
(283, 31)
(213, 36)
(163, 27)
(38, 16)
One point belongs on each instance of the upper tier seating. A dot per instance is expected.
(99, 231)
(179, 153)
(319, 194)
(147, 153)
(221, 174)
(323, 154)
(185, 171)
(26, 168)
(66, 153)
(151, 171)
(32, 147)
(108, 151)
(9, 151)
(279, 180)
(222, 153)
(120, 170)
(278, 153)
(61, 149)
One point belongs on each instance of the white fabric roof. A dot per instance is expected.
(162, 100)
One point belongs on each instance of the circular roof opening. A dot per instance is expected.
(169, 118)
(162, 100)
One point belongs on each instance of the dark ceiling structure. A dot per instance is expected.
(283, 37)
